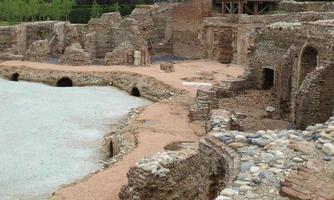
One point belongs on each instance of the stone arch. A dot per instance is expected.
(14, 77)
(308, 61)
(135, 92)
(268, 78)
(64, 82)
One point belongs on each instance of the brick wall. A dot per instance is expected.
(315, 99)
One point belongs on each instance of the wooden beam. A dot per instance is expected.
(256, 8)
(246, 8)
(231, 8)
(241, 8)
(223, 7)
(263, 9)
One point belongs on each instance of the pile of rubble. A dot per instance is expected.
(267, 157)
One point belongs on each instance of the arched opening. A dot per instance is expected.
(64, 82)
(268, 78)
(308, 62)
(14, 77)
(135, 92)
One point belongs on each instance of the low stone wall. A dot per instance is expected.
(148, 87)
(204, 102)
(191, 171)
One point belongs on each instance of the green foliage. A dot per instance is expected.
(30, 10)
(96, 10)
(15, 11)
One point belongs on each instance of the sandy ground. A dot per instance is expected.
(162, 122)
(199, 71)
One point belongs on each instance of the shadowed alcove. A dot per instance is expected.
(64, 82)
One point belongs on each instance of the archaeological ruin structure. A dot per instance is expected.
(282, 49)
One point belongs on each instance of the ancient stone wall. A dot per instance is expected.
(315, 99)
(5, 39)
(293, 6)
(187, 18)
(149, 87)
(205, 101)
(162, 38)
(294, 50)
(188, 172)
(230, 38)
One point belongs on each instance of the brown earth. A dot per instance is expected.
(252, 104)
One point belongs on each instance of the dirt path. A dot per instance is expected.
(162, 123)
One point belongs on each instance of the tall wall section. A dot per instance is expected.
(187, 18)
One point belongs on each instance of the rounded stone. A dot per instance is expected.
(240, 138)
(254, 169)
(223, 198)
(297, 160)
(229, 192)
(328, 149)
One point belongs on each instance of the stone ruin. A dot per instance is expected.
(38, 51)
(289, 52)
(110, 39)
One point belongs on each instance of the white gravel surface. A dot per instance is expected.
(50, 136)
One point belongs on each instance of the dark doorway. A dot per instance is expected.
(14, 77)
(64, 82)
(308, 62)
(268, 79)
(135, 92)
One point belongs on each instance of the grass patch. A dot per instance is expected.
(4, 23)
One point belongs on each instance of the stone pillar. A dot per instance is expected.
(137, 58)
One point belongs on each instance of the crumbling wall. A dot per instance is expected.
(5, 39)
(187, 18)
(315, 99)
(293, 6)
(104, 28)
(280, 47)
(162, 38)
(231, 38)
(205, 101)
(188, 172)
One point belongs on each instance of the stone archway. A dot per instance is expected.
(135, 92)
(14, 77)
(64, 82)
(308, 62)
